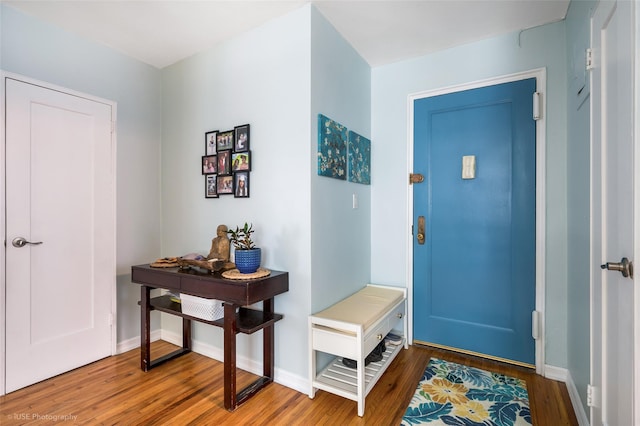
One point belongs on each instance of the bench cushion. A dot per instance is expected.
(364, 307)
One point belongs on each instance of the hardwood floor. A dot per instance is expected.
(188, 390)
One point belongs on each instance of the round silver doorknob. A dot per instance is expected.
(21, 242)
(624, 266)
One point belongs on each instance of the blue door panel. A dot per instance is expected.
(474, 278)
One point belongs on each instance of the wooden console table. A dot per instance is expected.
(236, 295)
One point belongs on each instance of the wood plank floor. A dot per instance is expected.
(189, 390)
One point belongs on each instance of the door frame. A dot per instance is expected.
(636, 197)
(540, 74)
(3, 259)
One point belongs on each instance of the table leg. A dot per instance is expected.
(230, 330)
(186, 334)
(145, 328)
(268, 343)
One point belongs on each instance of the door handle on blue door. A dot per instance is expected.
(421, 230)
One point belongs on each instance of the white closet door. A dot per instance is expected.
(60, 197)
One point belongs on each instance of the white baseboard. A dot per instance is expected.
(281, 377)
(578, 408)
(563, 375)
(556, 373)
(129, 344)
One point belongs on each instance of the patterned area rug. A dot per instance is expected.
(454, 394)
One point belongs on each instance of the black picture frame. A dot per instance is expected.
(241, 161)
(209, 164)
(241, 184)
(224, 184)
(210, 186)
(211, 143)
(242, 136)
(224, 162)
(224, 140)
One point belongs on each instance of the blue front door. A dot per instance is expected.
(474, 275)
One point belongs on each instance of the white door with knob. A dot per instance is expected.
(60, 230)
(615, 239)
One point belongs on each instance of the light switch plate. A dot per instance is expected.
(469, 167)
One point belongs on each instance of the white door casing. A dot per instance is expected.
(60, 189)
(636, 197)
(612, 215)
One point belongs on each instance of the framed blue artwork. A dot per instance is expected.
(332, 148)
(359, 158)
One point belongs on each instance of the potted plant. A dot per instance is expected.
(247, 255)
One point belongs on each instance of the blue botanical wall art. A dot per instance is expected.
(359, 158)
(332, 148)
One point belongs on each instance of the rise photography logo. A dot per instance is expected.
(42, 417)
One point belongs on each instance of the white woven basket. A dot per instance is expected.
(206, 309)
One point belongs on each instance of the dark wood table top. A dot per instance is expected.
(203, 283)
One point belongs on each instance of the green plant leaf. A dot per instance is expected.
(241, 237)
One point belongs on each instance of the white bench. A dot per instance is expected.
(352, 328)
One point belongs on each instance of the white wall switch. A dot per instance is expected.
(469, 167)
(355, 200)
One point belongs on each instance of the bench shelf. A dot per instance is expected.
(341, 380)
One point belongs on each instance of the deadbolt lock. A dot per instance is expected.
(421, 230)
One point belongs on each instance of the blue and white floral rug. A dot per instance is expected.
(454, 394)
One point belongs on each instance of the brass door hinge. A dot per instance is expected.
(415, 178)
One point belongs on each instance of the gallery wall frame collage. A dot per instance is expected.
(226, 165)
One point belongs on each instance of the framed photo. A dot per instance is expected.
(241, 161)
(224, 140)
(209, 164)
(241, 138)
(225, 184)
(210, 142)
(224, 162)
(210, 189)
(241, 183)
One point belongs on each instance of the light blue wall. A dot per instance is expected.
(260, 78)
(277, 78)
(38, 50)
(340, 234)
(578, 196)
(391, 84)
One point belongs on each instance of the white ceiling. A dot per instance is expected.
(161, 33)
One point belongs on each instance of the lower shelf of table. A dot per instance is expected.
(341, 380)
(248, 320)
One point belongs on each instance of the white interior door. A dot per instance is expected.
(612, 301)
(60, 197)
